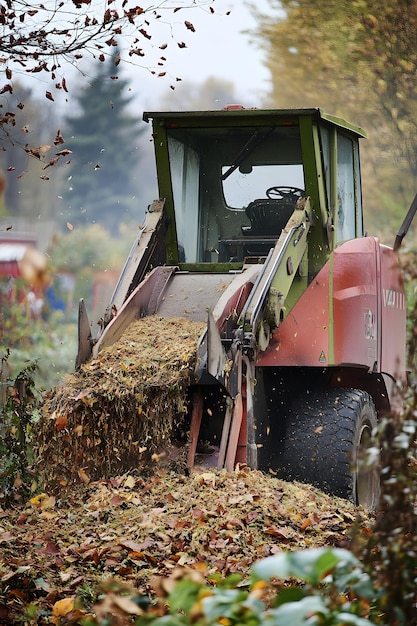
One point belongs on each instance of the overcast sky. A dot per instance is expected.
(218, 48)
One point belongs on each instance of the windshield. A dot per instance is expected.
(231, 187)
(240, 188)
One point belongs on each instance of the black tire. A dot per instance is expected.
(328, 433)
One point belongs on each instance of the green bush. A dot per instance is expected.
(20, 410)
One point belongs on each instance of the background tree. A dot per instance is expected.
(103, 137)
(354, 59)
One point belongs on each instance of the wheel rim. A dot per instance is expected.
(367, 478)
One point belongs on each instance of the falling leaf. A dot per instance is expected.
(189, 26)
(65, 152)
(70, 226)
(49, 96)
(59, 139)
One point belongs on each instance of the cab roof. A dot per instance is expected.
(238, 115)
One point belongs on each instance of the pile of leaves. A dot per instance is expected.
(121, 407)
(56, 554)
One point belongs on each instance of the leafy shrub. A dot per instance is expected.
(323, 587)
(16, 416)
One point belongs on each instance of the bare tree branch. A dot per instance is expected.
(39, 37)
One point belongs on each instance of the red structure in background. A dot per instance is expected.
(12, 251)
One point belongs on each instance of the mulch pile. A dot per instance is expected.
(120, 408)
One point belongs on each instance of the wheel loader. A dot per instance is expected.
(258, 233)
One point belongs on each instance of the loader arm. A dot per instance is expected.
(263, 309)
(267, 304)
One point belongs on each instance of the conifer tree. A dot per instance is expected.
(104, 140)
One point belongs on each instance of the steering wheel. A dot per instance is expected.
(284, 193)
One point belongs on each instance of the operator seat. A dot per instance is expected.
(268, 216)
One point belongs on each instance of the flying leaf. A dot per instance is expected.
(59, 139)
(64, 152)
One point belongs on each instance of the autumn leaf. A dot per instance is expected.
(130, 482)
(59, 139)
(306, 523)
(49, 96)
(65, 152)
(37, 500)
(189, 26)
(85, 478)
(61, 422)
(63, 607)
